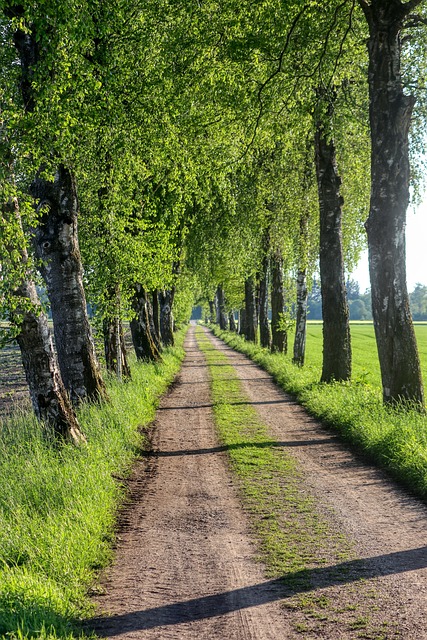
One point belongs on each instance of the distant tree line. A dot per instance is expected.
(359, 304)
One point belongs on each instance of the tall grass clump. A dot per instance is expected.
(393, 437)
(58, 504)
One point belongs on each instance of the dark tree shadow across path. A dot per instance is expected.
(255, 595)
(238, 445)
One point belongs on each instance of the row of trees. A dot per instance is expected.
(154, 152)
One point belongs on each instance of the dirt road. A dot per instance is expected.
(185, 564)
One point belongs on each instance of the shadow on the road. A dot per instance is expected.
(290, 584)
(231, 404)
(273, 444)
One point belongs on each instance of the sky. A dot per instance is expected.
(416, 251)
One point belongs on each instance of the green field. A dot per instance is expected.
(364, 350)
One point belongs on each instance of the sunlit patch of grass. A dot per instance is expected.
(58, 504)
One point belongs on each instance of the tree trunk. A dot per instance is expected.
(212, 311)
(49, 398)
(336, 326)
(390, 117)
(301, 304)
(57, 247)
(264, 326)
(301, 321)
(279, 336)
(156, 315)
(232, 321)
(242, 322)
(166, 298)
(217, 308)
(152, 324)
(142, 339)
(250, 310)
(115, 348)
(221, 308)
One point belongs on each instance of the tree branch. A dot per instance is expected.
(344, 38)
(272, 76)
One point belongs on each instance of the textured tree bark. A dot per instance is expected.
(232, 321)
(152, 323)
(166, 298)
(49, 398)
(250, 310)
(212, 311)
(301, 302)
(301, 320)
(156, 315)
(279, 337)
(264, 326)
(221, 308)
(336, 326)
(390, 117)
(142, 339)
(57, 247)
(242, 322)
(115, 349)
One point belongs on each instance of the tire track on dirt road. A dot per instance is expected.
(387, 524)
(184, 565)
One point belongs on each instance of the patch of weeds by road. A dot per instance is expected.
(324, 583)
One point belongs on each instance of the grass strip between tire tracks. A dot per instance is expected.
(58, 506)
(296, 543)
(394, 438)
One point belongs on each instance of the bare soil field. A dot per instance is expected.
(186, 564)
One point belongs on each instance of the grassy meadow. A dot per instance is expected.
(58, 504)
(364, 350)
(394, 438)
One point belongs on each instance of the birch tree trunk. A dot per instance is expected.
(142, 339)
(336, 325)
(115, 349)
(152, 323)
(232, 321)
(279, 337)
(212, 311)
(264, 326)
(156, 314)
(57, 247)
(242, 322)
(166, 298)
(390, 117)
(49, 398)
(221, 308)
(301, 319)
(250, 310)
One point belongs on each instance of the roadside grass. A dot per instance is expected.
(325, 584)
(58, 504)
(394, 438)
